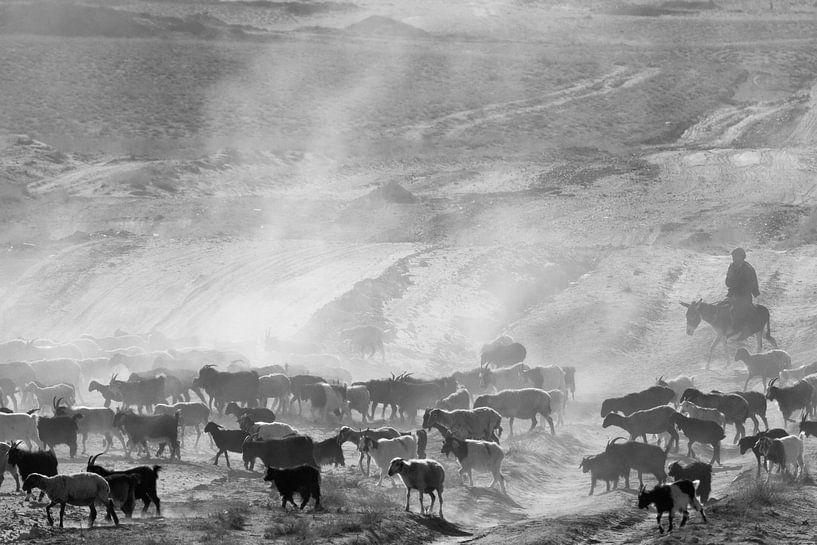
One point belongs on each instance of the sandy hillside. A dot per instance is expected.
(562, 172)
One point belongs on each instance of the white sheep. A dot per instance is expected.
(703, 413)
(765, 365)
(383, 451)
(82, 489)
(271, 430)
(425, 476)
(47, 396)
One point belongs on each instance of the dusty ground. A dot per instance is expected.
(563, 172)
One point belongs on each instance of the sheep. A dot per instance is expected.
(348, 434)
(601, 466)
(145, 486)
(305, 480)
(271, 430)
(192, 414)
(257, 414)
(654, 396)
(735, 408)
(791, 398)
(483, 423)
(703, 413)
(558, 400)
(672, 498)
(792, 375)
(524, 403)
(225, 440)
(425, 476)
(640, 423)
(82, 489)
(638, 456)
(702, 431)
(461, 399)
(358, 396)
(696, 471)
(385, 450)
(678, 385)
(765, 365)
(46, 395)
(751, 442)
(784, 451)
(809, 428)
(276, 386)
(6, 467)
(483, 455)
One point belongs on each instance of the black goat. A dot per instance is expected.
(225, 440)
(735, 409)
(809, 428)
(59, 430)
(643, 458)
(601, 467)
(305, 480)
(791, 398)
(329, 451)
(700, 431)
(146, 487)
(123, 491)
(751, 442)
(696, 471)
(43, 462)
(654, 396)
(672, 498)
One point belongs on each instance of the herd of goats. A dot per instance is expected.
(466, 408)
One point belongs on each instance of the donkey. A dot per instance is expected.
(719, 318)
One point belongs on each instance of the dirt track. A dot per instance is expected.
(568, 175)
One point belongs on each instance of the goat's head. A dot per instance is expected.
(772, 391)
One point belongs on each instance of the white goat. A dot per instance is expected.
(784, 451)
(271, 430)
(703, 413)
(678, 385)
(47, 395)
(425, 476)
(82, 489)
(19, 427)
(383, 451)
(471, 455)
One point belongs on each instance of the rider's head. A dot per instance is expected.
(738, 255)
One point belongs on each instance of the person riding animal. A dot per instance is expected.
(741, 283)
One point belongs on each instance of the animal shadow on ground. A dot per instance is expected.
(439, 525)
(493, 494)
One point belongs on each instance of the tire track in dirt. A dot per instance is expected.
(621, 77)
